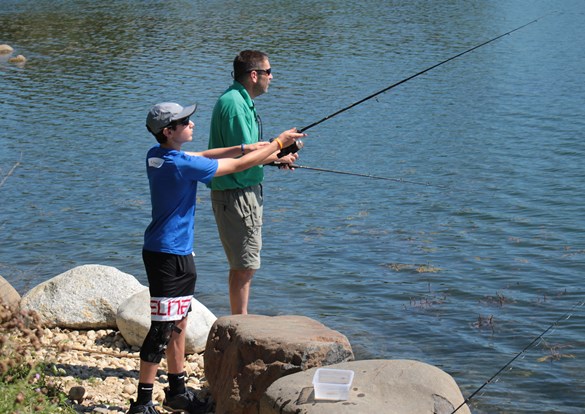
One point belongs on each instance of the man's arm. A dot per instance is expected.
(258, 156)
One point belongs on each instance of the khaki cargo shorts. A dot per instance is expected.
(238, 214)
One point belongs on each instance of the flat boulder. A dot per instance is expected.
(86, 297)
(8, 295)
(379, 386)
(133, 320)
(245, 354)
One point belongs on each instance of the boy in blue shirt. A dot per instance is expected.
(168, 242)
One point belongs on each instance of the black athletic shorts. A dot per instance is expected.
(171, 281)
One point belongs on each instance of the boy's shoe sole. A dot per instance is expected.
(185, 403)
(142, 409)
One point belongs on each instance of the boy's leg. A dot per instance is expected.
(176, 348)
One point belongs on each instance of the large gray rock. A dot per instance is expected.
(86, 297)
(247, 353)
(8, 295)
(133, 322)
(379, 386)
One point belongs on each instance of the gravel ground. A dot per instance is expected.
(99, 371)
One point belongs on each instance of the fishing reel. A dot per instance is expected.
(291, 149)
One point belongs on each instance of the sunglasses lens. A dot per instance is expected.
(184, 121)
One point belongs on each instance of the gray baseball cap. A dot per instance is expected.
(161, 115)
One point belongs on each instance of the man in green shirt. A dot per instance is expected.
(237, 199)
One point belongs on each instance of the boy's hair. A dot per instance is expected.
(161, 138)
(246, 61)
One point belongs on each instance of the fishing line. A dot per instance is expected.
(398, 180)
(415, 75)
(566, 315)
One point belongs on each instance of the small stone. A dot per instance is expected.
(129, 389)
(120, 343)
(76, 394)
(60, 336)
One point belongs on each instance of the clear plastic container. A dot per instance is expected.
(332, 384)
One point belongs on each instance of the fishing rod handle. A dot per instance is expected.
(291, 149)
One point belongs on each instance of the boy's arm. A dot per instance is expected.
(229, 152)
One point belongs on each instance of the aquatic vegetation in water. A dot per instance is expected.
(572, 253)
(427, 302)
(419, 268)
(484, 322)
(500, 299)
(554, 352)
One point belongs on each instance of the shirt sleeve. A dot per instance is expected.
(237, 130)
(197, 168)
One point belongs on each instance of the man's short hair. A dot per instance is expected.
(246, 61)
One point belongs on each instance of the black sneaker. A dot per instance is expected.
(142, 409)
(184, 403)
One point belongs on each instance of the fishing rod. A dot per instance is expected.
(414, 76)
(566, 315)
(299, 144)
(398, 180)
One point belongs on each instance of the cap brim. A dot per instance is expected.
(188, 111)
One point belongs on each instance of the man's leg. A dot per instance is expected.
(239, 286)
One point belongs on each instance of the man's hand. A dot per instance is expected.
(289, 136)
(287, 160)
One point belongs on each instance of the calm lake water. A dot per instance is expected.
(462, 273)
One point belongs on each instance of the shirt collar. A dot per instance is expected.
(242, 90)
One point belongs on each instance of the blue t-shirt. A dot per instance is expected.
(173, 177)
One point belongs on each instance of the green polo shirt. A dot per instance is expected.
(233, 122)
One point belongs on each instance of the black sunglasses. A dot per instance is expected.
(267, 71)
(182, 121)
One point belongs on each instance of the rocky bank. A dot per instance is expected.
(105, 367)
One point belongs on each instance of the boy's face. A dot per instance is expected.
(182, 132)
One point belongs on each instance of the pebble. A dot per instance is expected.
(76, 393)
(99, 371)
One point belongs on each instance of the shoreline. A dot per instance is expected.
(105, 366)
